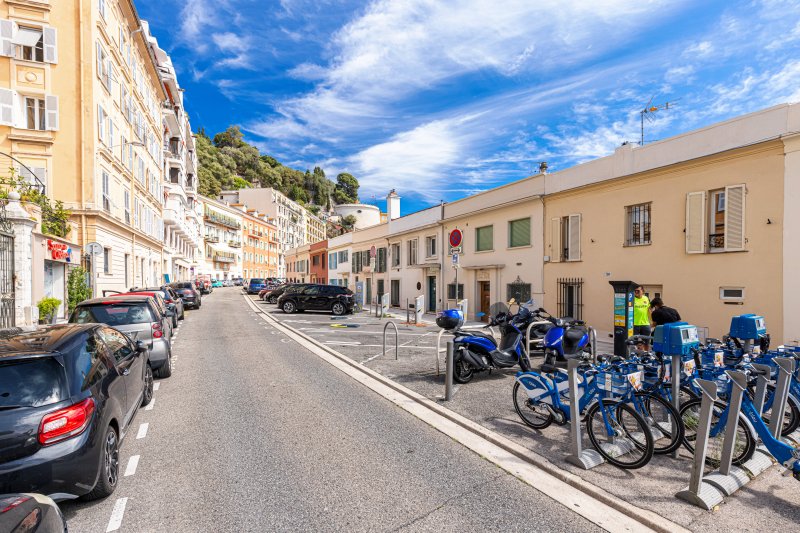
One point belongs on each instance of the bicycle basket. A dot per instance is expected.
(619, 383)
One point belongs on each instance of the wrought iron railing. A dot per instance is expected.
(716, 240)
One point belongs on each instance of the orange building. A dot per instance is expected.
(319, 266)
(259, 245)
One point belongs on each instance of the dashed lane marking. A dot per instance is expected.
(133, 462)
(142, 433)
(116, 515)
(149, 406)
(156, 385)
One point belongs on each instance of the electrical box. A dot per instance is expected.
(748, 327)
(677, 338)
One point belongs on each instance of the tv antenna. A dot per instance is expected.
(649, 111)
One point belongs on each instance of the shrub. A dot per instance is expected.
(47, 309)
(77, 288)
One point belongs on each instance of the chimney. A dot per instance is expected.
(393, 205)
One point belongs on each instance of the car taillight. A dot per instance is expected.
(66, 423)
(157, 333)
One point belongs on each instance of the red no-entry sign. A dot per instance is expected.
(455, 238)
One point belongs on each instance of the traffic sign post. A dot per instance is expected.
(93, 249)
(455, 239)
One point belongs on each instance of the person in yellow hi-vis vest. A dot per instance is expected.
(641, 314)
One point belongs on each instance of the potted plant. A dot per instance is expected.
(48, 308)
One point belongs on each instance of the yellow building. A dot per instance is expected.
(81, 105)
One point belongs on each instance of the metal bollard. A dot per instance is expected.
(448, 374)
(396, 339)
(739, 382)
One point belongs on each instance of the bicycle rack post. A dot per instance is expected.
(585, 459)
(676, 389)
(728, 479)
(439, 348)
(698, 492)
(528, 334)
(448, 376)
(396, 339)
(761, 386)
(593, 343)
(785, 371)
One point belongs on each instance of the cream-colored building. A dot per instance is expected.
(298, 264)
(81, 104)
(705, 220)
(223, 234)
(183, 233)
(296, 226)
(339, 250)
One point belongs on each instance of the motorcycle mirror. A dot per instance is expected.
(480, 314)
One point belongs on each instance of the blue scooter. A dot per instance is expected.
(477, 351)
(567, 339)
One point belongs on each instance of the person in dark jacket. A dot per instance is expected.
(661, 314)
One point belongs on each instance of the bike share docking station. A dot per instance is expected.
(623, 315)
(709, 490)
(580, 457)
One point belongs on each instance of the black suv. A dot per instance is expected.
(68, 395)
(316, 297)
(189, 293)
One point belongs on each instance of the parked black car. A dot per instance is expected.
(68, 394)
(273, 295)
(30, 513)
(316, 297)
(189, 294)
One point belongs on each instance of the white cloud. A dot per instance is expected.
(699, 50)
(682, 74)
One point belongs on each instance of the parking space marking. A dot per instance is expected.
(345, 343)
(156, 385)
(133, 462)
(116, 515)
(149, 406)
(142, 433)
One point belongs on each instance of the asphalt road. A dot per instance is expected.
(255, 433)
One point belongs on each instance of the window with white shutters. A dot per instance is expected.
(127, 207)
(35, 114)
(6, 107)
(50, 38)
(555, 239)
(101, 124)
(695, 222)
(29, 43)
(106, 192)
(51, 110)
(7, 47)
(734, 217)
(574, 236)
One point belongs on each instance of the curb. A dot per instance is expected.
(645, 517)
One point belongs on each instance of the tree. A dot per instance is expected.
(77, 288)
(231, 137)
(346, 190)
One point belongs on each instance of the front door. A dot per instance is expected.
(484, 292)
(380, 290)
(394, 290)
(431, 294)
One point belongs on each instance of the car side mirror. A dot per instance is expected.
(141, 347)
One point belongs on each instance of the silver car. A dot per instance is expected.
(140, 318)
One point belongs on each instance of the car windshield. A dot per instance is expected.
(32, 382)
(113, 314)
(256, 281)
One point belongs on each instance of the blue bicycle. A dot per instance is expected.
(616, 430)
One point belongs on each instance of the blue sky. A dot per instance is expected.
(441, 99)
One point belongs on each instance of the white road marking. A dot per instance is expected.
(116, 515)
(142, 430)
(133, 462)
(286, 340)
(149, 406)
(156, 385)
(343, 343)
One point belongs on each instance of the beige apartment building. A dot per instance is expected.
(81, 104)
(222, 255)
(705, 220)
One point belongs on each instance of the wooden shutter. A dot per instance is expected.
(519, 232)
(51, 113)
(7, 47)
(574, 238)
(555, 240)
(695, 222)
(7, 107)
(734, 217)
(50, 39)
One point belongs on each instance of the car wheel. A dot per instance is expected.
(338, 309)
(183, 314)
(109, 468)
(148, 385)
(166, 369)
(289, 307)
(273, 299)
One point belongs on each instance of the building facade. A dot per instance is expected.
(222, 256)
(298, 264)
(260, 246)
(318, 255)
(296, 226)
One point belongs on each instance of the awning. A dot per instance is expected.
(26, 37)
(483, 267)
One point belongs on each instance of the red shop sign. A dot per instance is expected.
(59, 251)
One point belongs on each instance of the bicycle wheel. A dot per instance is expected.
(626, 441)
(745, 444)
(535, 415)
(791, 415)
(663, 419)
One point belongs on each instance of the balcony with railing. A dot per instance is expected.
(212, 238)
(221, 257)
(234, 244)
(716, 241)
(222, 220)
